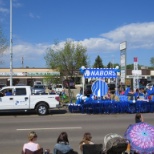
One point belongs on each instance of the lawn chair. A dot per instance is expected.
(39, 151)
(92, 148)
(69, 152)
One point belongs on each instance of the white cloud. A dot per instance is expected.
(34, 16)
(29, 50)
(16, 4)
(4, 10)
(138, 36)
(99, 44)
(32, 53)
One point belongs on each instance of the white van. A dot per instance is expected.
(59, 88)
(38, 82)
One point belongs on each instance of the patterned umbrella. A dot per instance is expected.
(141, 137)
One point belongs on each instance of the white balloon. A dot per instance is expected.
(77, 95)
(83, 67)
(84, 97)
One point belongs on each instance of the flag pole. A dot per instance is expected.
(11, 53)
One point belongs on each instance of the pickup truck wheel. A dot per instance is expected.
(42, 109)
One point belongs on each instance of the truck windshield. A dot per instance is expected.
(58, 86)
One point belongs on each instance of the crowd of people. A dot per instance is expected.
(62, 144)
(138, 94)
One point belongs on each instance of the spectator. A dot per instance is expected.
(62, 144)
(114, 96)
(108, 95)
(139, 118)
(141, 92)
(131, 95)
(136, 94)
(122, 92)
(31, 145)
(86, 140)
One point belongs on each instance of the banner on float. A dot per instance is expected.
(100, 73)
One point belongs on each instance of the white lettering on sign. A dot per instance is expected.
(107, 73)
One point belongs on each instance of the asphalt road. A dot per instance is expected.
(14, 128)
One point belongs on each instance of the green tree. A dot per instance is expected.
(98, 62)
(68, 59)
(110, 65)
(54, 79)
(3, 44)
(152, 61)
(130, 66)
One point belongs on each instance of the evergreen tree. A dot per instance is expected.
(110, 65)
(98, 63)
(152, 61)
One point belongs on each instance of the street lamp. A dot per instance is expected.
(11, 54)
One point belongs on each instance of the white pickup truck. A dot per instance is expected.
(20, 98)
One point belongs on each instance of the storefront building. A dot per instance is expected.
(26, 76)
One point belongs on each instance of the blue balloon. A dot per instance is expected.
(82, 70)
(117, 70)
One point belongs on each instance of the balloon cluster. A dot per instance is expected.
(117, 69)
(150, 92)
(82, 69)
(80, 98)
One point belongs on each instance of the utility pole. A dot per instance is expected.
(11, 41)
(22, 62)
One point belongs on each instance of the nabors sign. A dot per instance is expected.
(100, 73)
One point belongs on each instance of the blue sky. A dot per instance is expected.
(100, 25)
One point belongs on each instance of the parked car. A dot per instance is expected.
(38, 89)
(37, 82)
(59, 88)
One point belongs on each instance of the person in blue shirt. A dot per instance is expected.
(8, 93)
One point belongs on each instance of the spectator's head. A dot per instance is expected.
(63, 137)
(86, 140)
(32, 136)
(138, 117)
(87, 136)
(137, 90)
